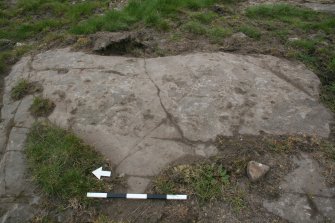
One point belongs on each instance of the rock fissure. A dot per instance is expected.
(188, 142)
(13, 150)
(65, 70)
(314, 211)
(309, 194)
(169, 116)
(139, 142)
(172, 120)
(4, 175)
(276, 71)
(8, 129)
(151, 112)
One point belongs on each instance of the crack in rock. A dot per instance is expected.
(169, 116)
(172, 119)
(139, 142)
(148, 112)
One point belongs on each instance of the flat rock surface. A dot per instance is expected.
(305, 198)
(143, 114)
(17, 197)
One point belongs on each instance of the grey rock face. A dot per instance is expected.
(306, 197)
(16, 190)
(143, 114)
(256, 170)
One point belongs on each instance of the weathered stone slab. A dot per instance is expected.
(13, 170)
(17, 139)
(2, 177)
(151, 156)
(18, 212)
(8, 111)
(137, 184)
(143, 114)
(23, 118)
(21, 70)
(306, 197)
(209, 94)
(5, 127)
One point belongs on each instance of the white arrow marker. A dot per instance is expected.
(101, 173)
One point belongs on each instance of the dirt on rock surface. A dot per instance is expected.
(146, 114)
(228, 103)
(151, 112)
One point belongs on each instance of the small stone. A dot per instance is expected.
(292, 39)
(19, 44)
(121, 175)
(239, 35)
(256, 170)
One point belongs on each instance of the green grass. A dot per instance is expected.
(10, 56)
(34, 19)
(20, 90)
(153, 13)
(41, 107)
(316, 50)
(205, 181)
(308, 45)
(23, 88)
(195, 28)
(328, 95)
(295, 16)
(61, 163)
(208, 180)
(52, 21)
(217, 34)
(251, 32)
(329, 149)
(20, 22)
(236, 199)
(280, 11)
(37, 20)
(205, 17)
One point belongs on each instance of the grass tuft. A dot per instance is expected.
(206, 181)
(195, 28)
(153, 13)
(23, 88)
(251, 32)
(283, 12)
(61, 163)
(328, 95)
(41, 107)
(9, 57)
(217, 34)
(205, 17)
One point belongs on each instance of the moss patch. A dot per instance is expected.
(41, 107)
(23, 88)
(205, 181)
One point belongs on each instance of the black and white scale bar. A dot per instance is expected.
(138, 196)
